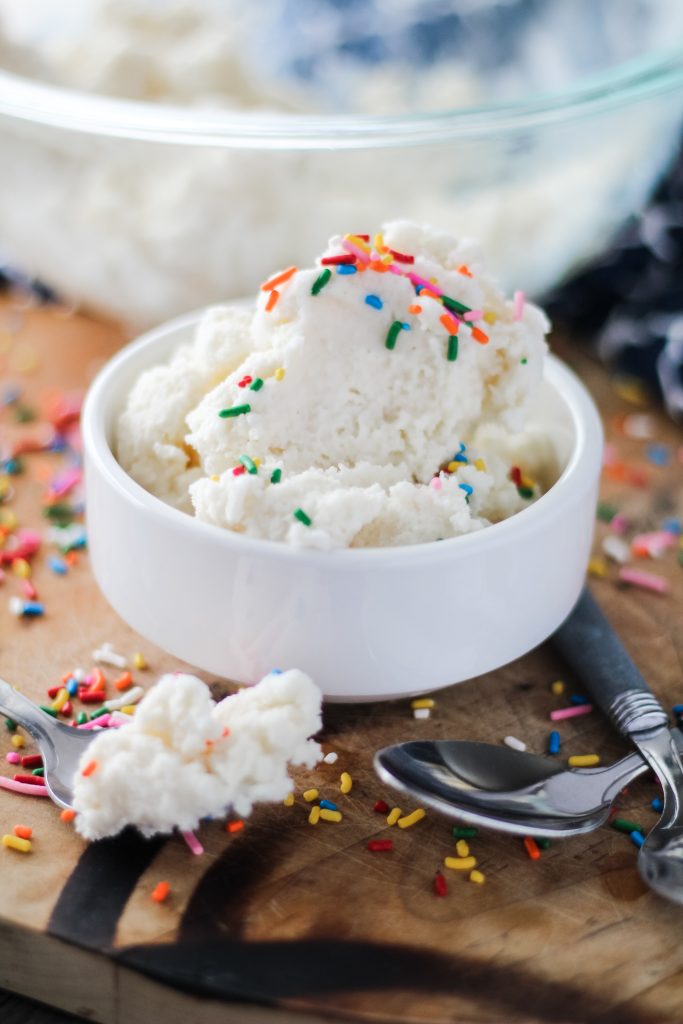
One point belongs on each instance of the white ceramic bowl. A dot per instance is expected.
(366, 624)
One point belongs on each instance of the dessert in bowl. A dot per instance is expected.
(393, 486)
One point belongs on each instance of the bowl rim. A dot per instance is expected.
(30, 100)
(587, 449)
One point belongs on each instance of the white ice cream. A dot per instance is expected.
(184, 757)
(357, 430)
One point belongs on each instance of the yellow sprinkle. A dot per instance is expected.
(60, 700)
(360, 243)
(257, 462)
(15, 843)
(327, 815)
(345, 782)
(128, 709)
(490, 317)
(631, 390)
(7, 517)
(393, 815)
(18, 741)
(452, 466)
(310, 794)
(583, 760)
(139, 660)
(314, 816)
(21, 568)
(480, 465)
(411, 819)
(596, 567)
(477, 877)
(215, 478)
(557, 687)
(289, 800)
(379, 241)
(460, 863)
(462, 848)
(279, 373)
(422, 702)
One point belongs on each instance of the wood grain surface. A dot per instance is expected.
(283, 921)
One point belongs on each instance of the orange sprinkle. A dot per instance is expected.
(160, 892)
(234, 826)
(98, 681)
(68, 814)
(124, 682)
(464, 269)
(531, 848)
(89, 769)
(71, 558)
(381, 268)
(425, 293)
(23, 831)
(415, 309)
(268, 286)
(449, 322)
(272, 299)
(479, 336)
(226, 731)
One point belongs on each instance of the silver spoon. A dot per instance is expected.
(596, 653)
(61, 745)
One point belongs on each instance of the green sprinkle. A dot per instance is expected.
(276, 476)
(606, 512)
(624, 825)
(23, 414)
(320, 281)
(10, 725)
(302, 517)
(453, 304)
(248, 464)
(48, 711)
(38, 771)
(236, 410)
(393, 334)
(60, 513)
(464, 832)
(524, 362)
(256, 384)
(100, 711)
(82, 718)
(541, 841)
(525, 492)
(452, 348)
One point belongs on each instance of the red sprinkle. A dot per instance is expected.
(381, 807)
(531, 848)
(67, 709)
(440, 885)
(53, 691)
(30, 780)
(92, 696)
(380, 845)
(31, 761)
(238, 470)
(332, 261)
(516, 476)
(234, 826)
(401, 257)
(245, 380)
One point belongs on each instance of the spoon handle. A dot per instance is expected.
(27, 714)
(592, 648)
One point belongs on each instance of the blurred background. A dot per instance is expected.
(159, 155)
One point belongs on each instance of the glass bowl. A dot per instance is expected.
(143, 210)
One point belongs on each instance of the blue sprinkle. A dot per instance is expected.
(672, 526)
(58, 565)
(466, 488)
(677, 709)
(576, 698)
(659, 454)
(276, 672)
(374, 301)
(554, 742)
(637, 838)
(72, 687)
(10, 396)
(329, 805)
(32, 609)
(12, 467)
(406, 327)
(657, 804)
(346, 268)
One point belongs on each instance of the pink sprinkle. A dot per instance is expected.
(656, 542)
(619, 523)
(12, 757)
(474, 314)
(646, 580)
(28, 590)
(435, 483)
(518, 306)
(22, 787)
(422, 282)
(94, 723)
(357, 252)
(572, 712)
(63, 484)
(194, 844)
(610, 455)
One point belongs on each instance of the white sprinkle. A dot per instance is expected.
(330, 758)
(131, 696)
(422, 712)
(16, 606)
(79, 674)
(512, 741)
(616, 549)
(639, 427)
(104, 655)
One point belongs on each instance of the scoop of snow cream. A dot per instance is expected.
(377, 398)
(184, 757)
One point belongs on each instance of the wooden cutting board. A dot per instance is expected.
(284, 921)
